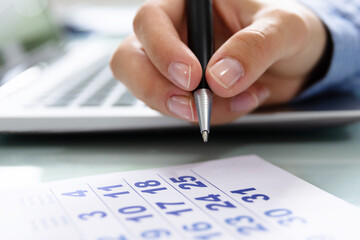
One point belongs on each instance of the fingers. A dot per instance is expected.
(148, 84)
(228, 109)
(155, 26)
(158, 93)
(249, 53)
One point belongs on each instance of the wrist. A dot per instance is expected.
(322, 67)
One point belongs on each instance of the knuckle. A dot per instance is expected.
(291, 20)
(254, 45)
(116, 61)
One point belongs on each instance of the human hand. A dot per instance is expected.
(264, 51)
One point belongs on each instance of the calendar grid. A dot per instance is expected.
(116, 217)
(179, 233)
(226, 199)
(256, 214)
(230, 196)
(209, 215)
(68, 215)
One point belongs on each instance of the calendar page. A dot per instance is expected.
(237, 198)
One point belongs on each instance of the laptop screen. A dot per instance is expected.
(25, 25)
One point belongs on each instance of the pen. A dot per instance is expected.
(200, 41)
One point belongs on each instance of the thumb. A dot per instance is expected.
(243, 58)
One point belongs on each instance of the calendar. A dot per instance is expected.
(237, 198)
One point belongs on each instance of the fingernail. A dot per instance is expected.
(180, 73)
(247, 101)
(227, 72)
(264, 93)
(182, 107)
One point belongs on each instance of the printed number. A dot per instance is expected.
(86, 216)
(243, 191)
(134, 210)
(155, 234)
(78, 193)
(215, 198)
(162, 205)
(185, 179)
(201, 227)
(121, 237)
(245, 230)
(150, 183)
(286, 217)
(250, 199)
(110, 188)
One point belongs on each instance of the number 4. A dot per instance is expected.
(78, 193)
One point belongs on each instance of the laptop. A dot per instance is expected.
(52, 83)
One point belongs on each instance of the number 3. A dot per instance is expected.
(254, 197)
(86, 216)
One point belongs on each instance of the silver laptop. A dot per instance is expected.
(52, 83)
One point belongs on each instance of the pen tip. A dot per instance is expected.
(205, 136)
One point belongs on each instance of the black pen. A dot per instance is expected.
(201, 42)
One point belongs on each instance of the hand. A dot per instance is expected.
(264, 51)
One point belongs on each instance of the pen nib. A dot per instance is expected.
(205, 136)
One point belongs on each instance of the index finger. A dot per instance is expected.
(156, 26)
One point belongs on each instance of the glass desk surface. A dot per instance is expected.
(327, 158)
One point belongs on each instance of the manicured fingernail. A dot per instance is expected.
(247, 101)
(180, 73)
(182, 107)
(227, 72)
(264, 94)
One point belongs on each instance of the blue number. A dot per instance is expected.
(245, 230)
(278, 213)
(109, 188)
(199, 226)
(254, 197)
(162, 205)
(178, 212)
(185, 179)
(78, 193)
(285, 214)
(210, 198)
(154, 190)
(155, 234)
(139, 218)
(150, 183)
(214, 206)
(215, 198)
(134, 210)
(115, 195)
(243, 191)
(86, 216)
(251, 198)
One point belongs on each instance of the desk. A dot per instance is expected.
(328, 159)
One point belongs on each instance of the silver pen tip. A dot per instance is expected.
(205, 136)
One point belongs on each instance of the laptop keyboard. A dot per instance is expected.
(100, 96)
(126, 99)
(93, 91)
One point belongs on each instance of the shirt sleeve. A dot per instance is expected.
(342, 17)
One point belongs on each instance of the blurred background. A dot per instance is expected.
(28, 24)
